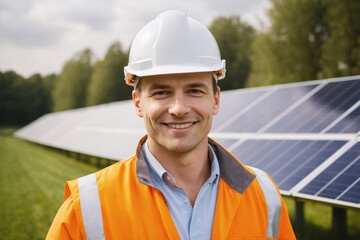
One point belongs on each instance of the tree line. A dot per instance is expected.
(307, 40)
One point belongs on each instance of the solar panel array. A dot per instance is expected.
(304, 135)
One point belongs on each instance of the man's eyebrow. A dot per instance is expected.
(198, 85)
(158, 86)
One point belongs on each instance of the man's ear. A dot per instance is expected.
(217, 101)
(136, 100)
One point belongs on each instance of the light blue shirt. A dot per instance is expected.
(191, 222)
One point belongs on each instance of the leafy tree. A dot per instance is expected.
(264, 62)
(22, 100)
(291, 50)
(341, 50)
(72, 83)
(6, 96)
(234, 39)
(35, 98)
(10, 97)
(107, 81)
(308, 39)
(49, 84)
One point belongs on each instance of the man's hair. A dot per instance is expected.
(137, 86)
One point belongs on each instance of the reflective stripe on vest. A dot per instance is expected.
(273, 203)
(92, 217)
(90, 207)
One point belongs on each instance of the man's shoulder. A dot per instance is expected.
(126, 163)
(116, 170)
(107, 174)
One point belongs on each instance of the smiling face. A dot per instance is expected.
(177, 110)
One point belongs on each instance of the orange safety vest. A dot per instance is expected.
(121, 202)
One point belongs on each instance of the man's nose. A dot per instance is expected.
(179, 105)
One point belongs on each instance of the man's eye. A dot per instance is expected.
(160, 93)
(196, 91)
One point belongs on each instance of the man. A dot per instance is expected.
(180, 184)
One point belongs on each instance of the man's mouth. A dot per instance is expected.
(180, 125)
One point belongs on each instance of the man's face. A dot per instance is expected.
(177, 110)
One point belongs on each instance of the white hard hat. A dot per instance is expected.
(173, 43)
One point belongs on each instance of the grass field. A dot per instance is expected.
(32, 180)
(318, 217)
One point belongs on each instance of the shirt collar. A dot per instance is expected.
(162, 173)
(234, 174)
(154, 163)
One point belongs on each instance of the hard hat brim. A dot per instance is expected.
(172, 69)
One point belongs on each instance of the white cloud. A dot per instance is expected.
(40, 35)
(29, 33)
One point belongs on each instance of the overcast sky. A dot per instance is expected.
(39, 36)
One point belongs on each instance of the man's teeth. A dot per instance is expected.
(180, 126)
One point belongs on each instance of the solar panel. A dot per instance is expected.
(348, 123)
(238, 101)
(321, 109)
(304, 135)
(270, 106)
(286, 161)
(339, 181)
(226, 143)
(109, 130)
(105, 143)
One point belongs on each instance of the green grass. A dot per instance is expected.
(32, 181)
(318, 217)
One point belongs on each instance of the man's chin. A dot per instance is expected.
(178, 146)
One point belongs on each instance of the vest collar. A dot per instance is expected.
(142, 169)
(231, 170)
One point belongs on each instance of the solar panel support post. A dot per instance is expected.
(299, 215)
(98, 162)
(339, 223)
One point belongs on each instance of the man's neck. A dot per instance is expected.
(190, 169)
